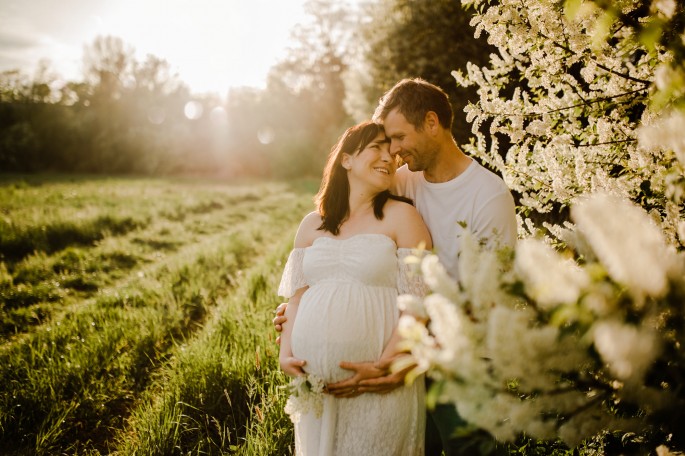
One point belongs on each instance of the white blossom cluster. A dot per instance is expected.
(559, 344)
(570, 102)
(306, 396)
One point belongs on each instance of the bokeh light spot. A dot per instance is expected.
(193, 110)
(156, 115)
(218, 116)
(265, 135)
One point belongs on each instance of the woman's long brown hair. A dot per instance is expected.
(333, 199)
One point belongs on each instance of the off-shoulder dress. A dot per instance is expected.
(348, 313)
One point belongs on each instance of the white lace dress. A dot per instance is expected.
(348, 313)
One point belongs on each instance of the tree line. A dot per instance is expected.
(131, 115)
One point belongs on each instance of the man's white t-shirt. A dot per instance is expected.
(477, 198)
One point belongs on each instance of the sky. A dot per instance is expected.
(211, 44)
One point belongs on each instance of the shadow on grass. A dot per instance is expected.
(18, 242)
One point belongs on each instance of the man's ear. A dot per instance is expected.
(431, 123)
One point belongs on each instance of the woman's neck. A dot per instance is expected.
(361, 201)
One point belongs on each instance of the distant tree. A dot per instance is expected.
(306, 91)
(21, 87)
(124, 116)
(14, 87)
(428, 39)
(28, 118)
(108, 67)
(44, 83)
(135, 113)
(251, 125)
(108, 72)
(155, 138)
(131, 116)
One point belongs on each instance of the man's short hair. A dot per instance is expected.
(414, 98)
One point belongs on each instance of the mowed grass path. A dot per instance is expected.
(135, 315)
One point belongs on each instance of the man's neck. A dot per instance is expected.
(450, 163)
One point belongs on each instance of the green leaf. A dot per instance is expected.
(651, 33)
(433, 394)
(564, 314)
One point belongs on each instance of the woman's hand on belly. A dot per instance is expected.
(292, 366)
(324, 358)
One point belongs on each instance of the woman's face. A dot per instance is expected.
(373, 165)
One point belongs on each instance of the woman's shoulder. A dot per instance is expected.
(313, 218)
(307, 231)
(399, 208)
(407, 224)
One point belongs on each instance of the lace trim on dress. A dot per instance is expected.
(409, 278)
(293, 275)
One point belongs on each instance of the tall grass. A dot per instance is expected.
(33, 287)
(223, 392)
(144, 354)
(18, 241)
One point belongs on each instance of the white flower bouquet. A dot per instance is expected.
(306, 396)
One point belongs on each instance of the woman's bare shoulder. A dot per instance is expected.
(407, 224)
(397, 208)
(313, 218)
(308, 230)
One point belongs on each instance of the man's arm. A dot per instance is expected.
(495, 221)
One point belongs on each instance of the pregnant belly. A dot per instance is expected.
(333, 326)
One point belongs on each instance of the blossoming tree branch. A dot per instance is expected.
(580, 330)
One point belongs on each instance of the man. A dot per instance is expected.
(453, 193)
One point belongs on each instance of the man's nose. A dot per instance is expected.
(394, 148)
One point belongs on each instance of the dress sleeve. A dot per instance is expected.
(409, 278)
(293, 275)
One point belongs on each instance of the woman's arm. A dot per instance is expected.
(306, 233)
(289, 364)
(410, 232)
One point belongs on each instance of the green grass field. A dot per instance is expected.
(135, 315)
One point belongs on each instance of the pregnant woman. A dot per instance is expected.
(342, 280)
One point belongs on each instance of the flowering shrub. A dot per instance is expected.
(560, 344)
(580, 329)
(583, 99)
